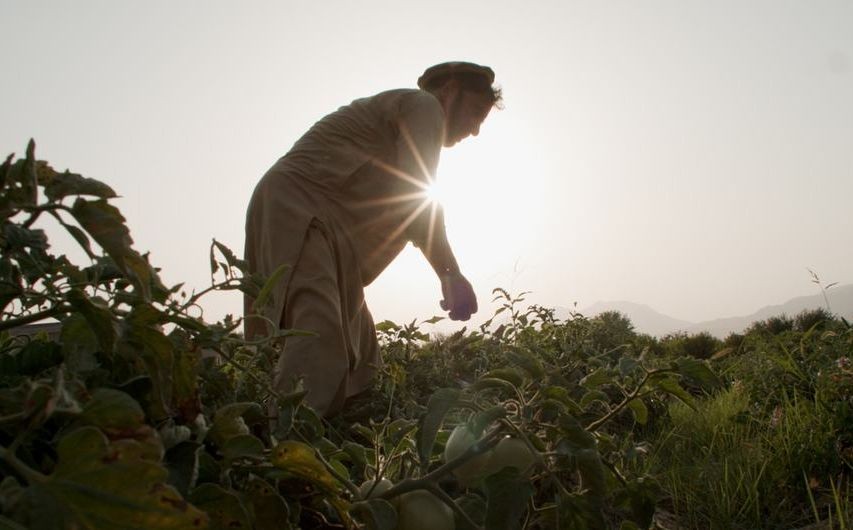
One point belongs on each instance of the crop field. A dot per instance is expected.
(139, 415)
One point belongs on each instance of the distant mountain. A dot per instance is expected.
(840, 302)
(647, 320)
(644, 318)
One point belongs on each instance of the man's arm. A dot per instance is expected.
(458, 295)
(419, 146)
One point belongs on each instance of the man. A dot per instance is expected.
(340, 206)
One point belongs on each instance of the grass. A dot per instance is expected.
(724, 467)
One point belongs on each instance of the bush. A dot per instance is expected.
(699, 346)
(812, 318)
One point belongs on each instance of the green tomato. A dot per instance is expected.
(460, 440)
(421, 510)
(381, 487)
(511, 452)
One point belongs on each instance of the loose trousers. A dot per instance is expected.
(342, 359)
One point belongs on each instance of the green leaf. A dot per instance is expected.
(98, 484)
(65, 184)
(578, 510)
(144, 278)
(38, 356)
(224, 507)
(526, 361)
(512, 376)
(29, 180)
(4, 170)
(597, 378)
(99, 318)
(641, 412)
(142, 338)
(356, 452)
(269, 509)
(592, 396)
(214, 265)
(439, 404)
(105, 223)
(387, 326)
(230, 257)
(575, 437)
(79, 344)
(593, 476)
(185, 382)
(475, 507)
(269, 286)
(209, 469)
(243, 446)
(112, 410)
(19, 238)
(310, 424)
(628, 365)
(671, 386)
(377, 514)
(107, 227)
(228, 422)
(698, 371)
(485, 418)
(182, 461)
(299, 459)
(561, 394)
(644, 494)
(507, 495)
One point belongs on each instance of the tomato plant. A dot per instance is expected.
(140, 414)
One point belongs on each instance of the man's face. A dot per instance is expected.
(465, 113)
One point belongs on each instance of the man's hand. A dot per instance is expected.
(459, 297)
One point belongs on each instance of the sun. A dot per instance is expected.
(437, 192)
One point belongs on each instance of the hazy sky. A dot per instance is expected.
(693, 156)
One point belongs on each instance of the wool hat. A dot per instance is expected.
(454, 67)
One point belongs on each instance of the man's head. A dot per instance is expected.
(466, 93)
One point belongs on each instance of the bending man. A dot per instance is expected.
(340, 206)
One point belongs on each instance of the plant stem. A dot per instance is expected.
(264, 384)
(343, 480)
(29, 319)
(30, 475)
(12, 417)
(481, 446)
(592, 427)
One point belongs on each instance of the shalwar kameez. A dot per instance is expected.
(339, 207)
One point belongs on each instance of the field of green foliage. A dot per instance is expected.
(140, 415)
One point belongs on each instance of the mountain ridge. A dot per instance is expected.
(650, 321)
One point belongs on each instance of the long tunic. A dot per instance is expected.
(359, 176)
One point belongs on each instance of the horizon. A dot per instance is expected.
(695, 159)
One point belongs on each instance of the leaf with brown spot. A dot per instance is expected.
(98, 484)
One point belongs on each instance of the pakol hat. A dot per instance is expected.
(455, 67)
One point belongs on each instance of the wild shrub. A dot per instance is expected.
(812, 318)
(699, 346)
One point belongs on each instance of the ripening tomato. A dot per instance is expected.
(381, 487)
(421, 510)
(461, 438)
(511, 452)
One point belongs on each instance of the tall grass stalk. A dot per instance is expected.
(730, 465)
